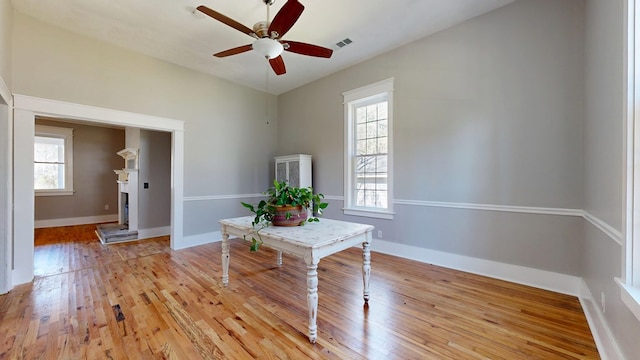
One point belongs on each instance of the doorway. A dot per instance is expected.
(26, 109)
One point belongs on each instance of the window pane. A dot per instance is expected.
(372, 112)
(370, 199)
(362, 147)
(359, 197)
(362, 131)
(369, 164)
(381, 199)
(361, 115)
(372, 129)
(382, 110)
(360, 164)
(48, 176)
(382, 128)
(382, 146)
(48, 149)
(381, 164)
(372, 146)
(381, 184)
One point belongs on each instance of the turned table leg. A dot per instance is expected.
(366, 269)
(225, 259)
(312, 298)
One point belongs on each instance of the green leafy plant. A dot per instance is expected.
(281, 194)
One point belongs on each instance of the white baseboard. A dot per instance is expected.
(199, 239)
(605, 341)
(154, 232)
(565, 284)
(75, 221)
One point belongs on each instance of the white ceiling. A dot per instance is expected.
(172, 31)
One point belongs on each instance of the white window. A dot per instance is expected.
(368, 113)
(53, 161)
(630, 282)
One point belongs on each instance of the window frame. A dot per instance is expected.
(58, 133)
(352, 99)
(630, 281)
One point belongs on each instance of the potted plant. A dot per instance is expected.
(285, 206)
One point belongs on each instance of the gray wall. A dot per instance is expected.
(155, 169)
(604, 168)
(221, 159)
(6, 22)
(94, 182)
(486, 112)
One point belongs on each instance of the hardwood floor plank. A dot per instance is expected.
(172, 305)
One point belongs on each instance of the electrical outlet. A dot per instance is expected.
(603, 302)
(106, 207)
(379, 234)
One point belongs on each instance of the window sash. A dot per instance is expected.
(53, 161)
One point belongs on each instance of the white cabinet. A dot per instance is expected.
(295, 169)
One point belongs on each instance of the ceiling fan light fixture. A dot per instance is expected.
(268, 48)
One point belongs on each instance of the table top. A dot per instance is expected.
(310, 235)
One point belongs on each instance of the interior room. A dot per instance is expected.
(510, 168)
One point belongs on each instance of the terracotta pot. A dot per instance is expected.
(298, 214)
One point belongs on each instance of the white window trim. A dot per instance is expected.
(363, 94)
(67, 135)
(630, 282)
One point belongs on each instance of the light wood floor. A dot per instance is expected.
(141, 300)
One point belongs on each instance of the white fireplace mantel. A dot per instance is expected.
(128, 188)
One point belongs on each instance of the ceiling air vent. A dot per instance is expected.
(343, 43)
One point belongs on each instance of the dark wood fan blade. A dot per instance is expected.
(237, 50)
(277, 64)
(307, 49)
(225, 20)
(286, 17)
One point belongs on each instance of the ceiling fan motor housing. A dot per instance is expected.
(261, 29)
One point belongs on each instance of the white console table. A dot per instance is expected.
(312, 242)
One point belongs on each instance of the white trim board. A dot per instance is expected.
(482, 207)
(153, 232)
(562, 283)
(55, 108)
(607, 229)
(201, 239)
(606, 343)
(39, 224)
(492, 207)
(222, 197)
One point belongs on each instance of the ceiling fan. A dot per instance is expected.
(268, 35)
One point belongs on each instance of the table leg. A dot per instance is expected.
(312, 298)
(279, 259)
(225, 259)
(366, 268)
